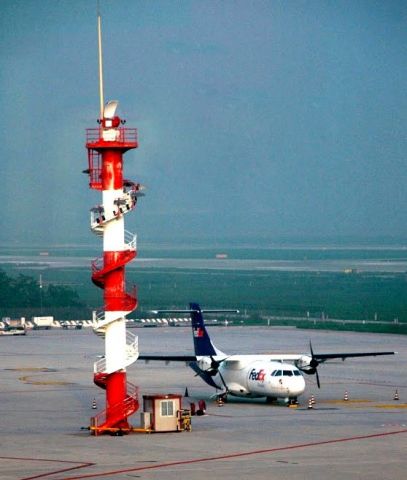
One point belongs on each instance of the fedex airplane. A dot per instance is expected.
(273, 376)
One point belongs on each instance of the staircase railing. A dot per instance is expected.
(132, 354)
(100, 366)
(118, 411)
(130, 240)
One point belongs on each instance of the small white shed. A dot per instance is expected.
(163, 410)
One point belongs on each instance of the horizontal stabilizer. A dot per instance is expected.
(192, 310)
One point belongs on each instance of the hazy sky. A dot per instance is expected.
(256, 118)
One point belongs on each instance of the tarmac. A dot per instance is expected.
(47, 391)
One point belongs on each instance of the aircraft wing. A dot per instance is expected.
(168, 358)
(322, 357)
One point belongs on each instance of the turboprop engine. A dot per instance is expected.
(306, 364)
(204, 363)
(208, 365)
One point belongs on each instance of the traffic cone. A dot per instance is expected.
(313, 400)
(220, 402)
(186, 394)
(310, 405)
(346, 396)
(94, 404)
(396, 395)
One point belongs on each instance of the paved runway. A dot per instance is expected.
(47, 391)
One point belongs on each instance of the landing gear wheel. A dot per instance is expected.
(221, 399)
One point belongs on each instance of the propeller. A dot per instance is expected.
(214, 369)
(314, 364)
(224, 383)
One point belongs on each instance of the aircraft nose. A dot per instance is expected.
(298, 386)
(301, 384)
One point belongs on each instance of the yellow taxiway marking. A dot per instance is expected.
(28, 378)
(31, 369)
(361, 403)
(391, 405)
(360, 400)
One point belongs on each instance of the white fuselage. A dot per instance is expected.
(251, 376)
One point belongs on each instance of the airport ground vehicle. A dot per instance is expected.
(71, 325)
(42, 323)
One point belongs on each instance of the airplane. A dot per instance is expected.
(273, 376)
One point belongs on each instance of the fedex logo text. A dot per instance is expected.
(257, 375)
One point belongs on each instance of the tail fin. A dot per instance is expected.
(202, 343)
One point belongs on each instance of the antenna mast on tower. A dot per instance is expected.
(100, 53)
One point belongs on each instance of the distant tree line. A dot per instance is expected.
(25, 291)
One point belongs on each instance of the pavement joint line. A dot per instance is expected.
(77, 465)
(232, 455)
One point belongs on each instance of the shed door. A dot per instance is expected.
(166, 415)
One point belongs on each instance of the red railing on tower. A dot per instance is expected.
(95, 169)
(123, 135)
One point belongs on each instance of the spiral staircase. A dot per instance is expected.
(108, 273)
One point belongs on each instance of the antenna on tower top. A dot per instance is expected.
(102, 102)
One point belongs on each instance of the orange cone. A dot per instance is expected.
(310, 404)
(346, 396)
(94, 404)
(396, 395)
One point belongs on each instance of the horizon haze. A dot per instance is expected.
(265, 120)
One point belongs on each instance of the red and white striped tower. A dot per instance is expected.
(106, 146)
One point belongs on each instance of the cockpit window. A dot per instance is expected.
(286, 373)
